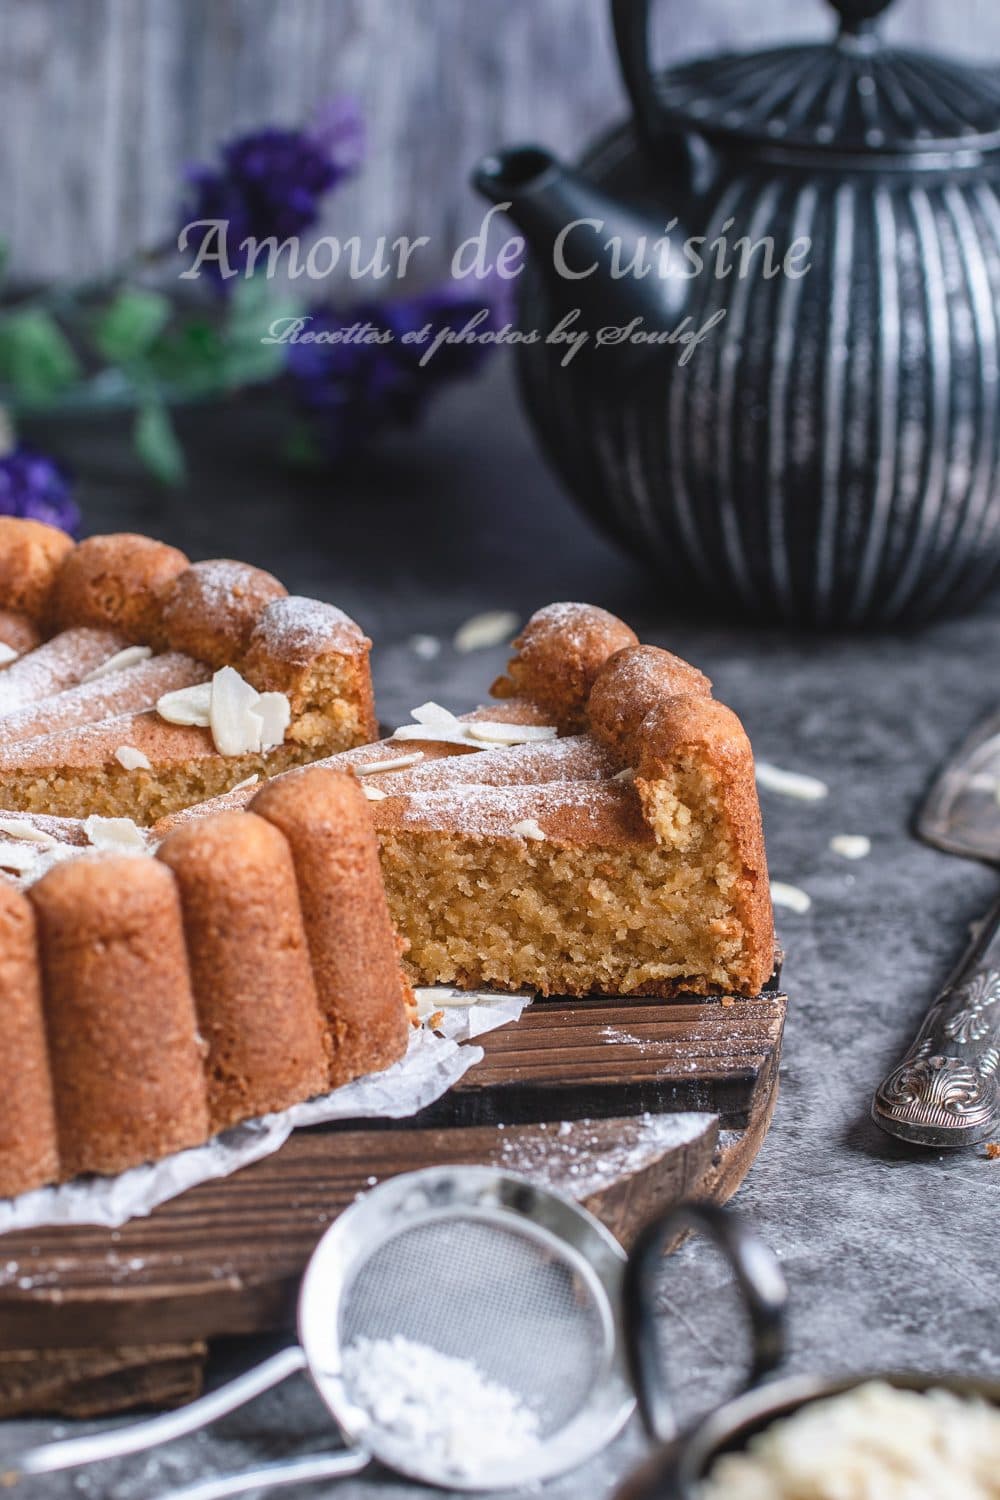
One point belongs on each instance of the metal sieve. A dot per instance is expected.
(470, 1262)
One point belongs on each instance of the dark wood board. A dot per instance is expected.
(225, 1258)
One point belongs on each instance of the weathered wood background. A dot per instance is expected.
(102, 102)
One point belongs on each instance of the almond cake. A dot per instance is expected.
(150, 1002)
(594, 831)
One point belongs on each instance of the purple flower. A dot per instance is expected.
(34, 487)
(271, 181)
(372, 377)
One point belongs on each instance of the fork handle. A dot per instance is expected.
(946, 1090)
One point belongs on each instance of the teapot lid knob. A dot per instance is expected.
(857, 16)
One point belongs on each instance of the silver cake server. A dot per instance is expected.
(946, 1090)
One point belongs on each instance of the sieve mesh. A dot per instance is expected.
(480, 1290)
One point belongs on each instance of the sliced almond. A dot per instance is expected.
(434, 734)
(427, 647)
(236, 728)
(275, 714)
(510, 734)
(120, 835)
(790, 783)
(188, 706)
(397, 763)
(130, 656)
(132, 759)
(373, 793)
(248, 781)
(17, 828)
(790, 897)
(19, 858)
(851, 845)
(494, 627)
(528, 828)
(434, 713)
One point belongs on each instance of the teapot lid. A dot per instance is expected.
(854, 94)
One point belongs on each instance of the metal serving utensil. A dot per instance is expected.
(946, 1090)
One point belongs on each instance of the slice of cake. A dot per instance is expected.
(626, 861)
(160, 683)
(596, 832)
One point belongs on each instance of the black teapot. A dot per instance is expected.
(814, 432)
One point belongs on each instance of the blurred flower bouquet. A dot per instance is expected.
(121, 343)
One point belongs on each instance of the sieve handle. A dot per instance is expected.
(761, 1285)
(136, 1437)
(273, 1476)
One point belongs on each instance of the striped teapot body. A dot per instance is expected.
(830, 451)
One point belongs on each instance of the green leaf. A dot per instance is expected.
(130, 323)
(190, 359)
(250, 314)
(36, 359)
(156, 443)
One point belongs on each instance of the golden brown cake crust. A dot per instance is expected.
(18, 631)
(28, 1149)
(312, 652)
(633, 681)
(123, 1043)
(558, 656)
(324, 816)
(213, 607)
(692, 728)
(30, 558)
(250, 969)
(118, 580)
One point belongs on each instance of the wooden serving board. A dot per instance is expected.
(578, 1094)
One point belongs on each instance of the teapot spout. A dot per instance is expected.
(596, 254)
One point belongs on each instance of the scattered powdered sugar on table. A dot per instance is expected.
(445, 1411)
(575, 1157)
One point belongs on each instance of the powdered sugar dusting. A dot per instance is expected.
(494, 811)
(130, 690)
(574, 758)
(56, 664)
(575, 622)
(222, 582)
(24, 860)
(299, 629)
(574, 1157)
